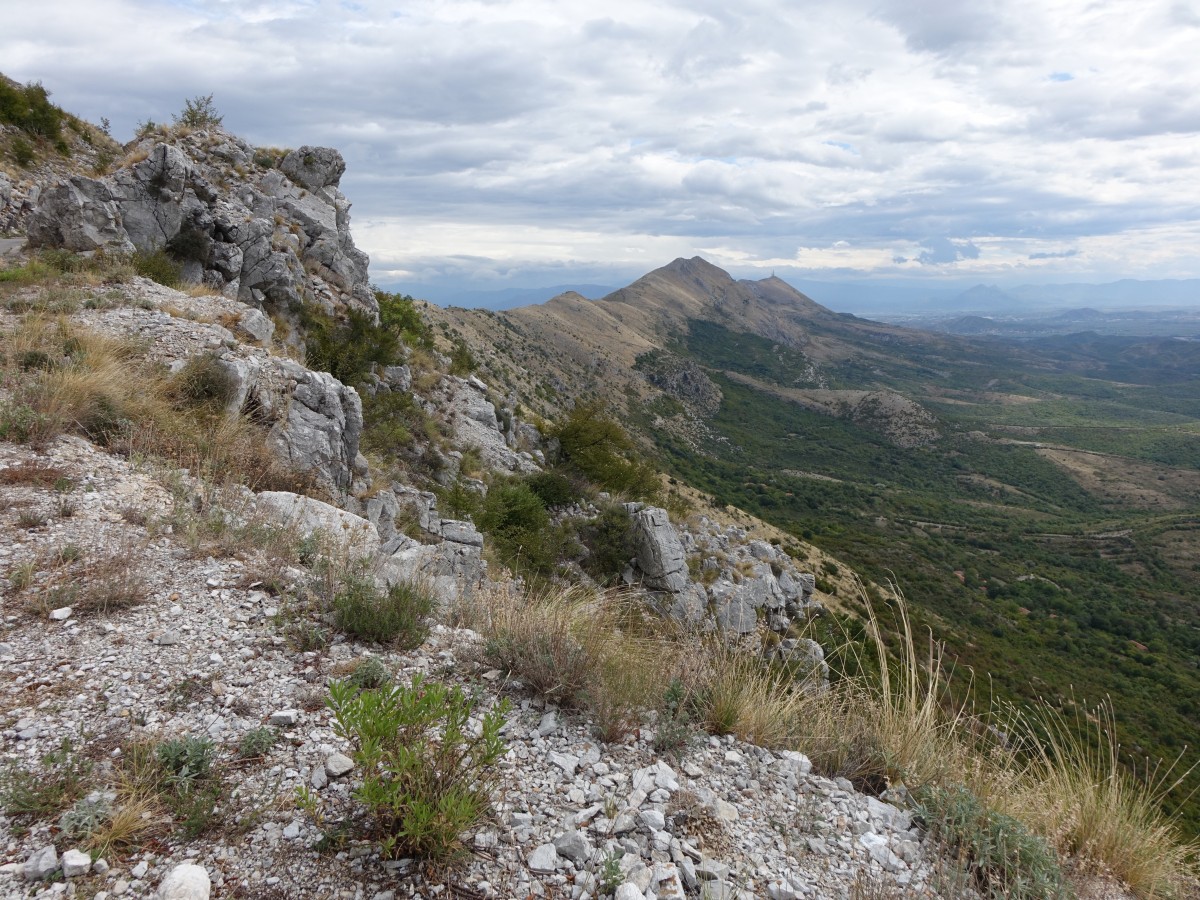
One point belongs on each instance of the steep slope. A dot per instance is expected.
(1036, 501)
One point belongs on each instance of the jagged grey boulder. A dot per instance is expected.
(42, 864)
(314, 421)
(319, 426)
(345, 532)
(187, 881)
(255, 325)
(78, 214)
(660, 556)
(451, 570)
(314, 167)
(281, 237)
(689, 605)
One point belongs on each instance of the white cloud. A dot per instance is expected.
(485, 136)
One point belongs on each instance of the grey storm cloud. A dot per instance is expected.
(939, 251)
(484, 140)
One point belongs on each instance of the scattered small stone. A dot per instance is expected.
(42, 864)
(573, 845)
(75, 862)
(543, 860)
(284, 718)
(185, 882)
(338, 764)
(61, 614)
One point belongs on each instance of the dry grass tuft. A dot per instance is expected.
(745, 697)
(73, 380)
(31, 472)
(1095, 809)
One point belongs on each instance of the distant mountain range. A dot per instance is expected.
(894, 301)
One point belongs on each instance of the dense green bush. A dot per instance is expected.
(29, 108)
(398, 313)
(601, 450)
(397, 615)
(609, 542)
(158, 266)
(347, 350)
(427, 775)
(199, 112)
(515, 519)
(554, 488)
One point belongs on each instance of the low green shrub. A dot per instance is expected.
(158, 266)
(609, 542)
(23, 153)
(350, 349)
(676, 727)
(1002, 855)
(516, 520)
(599, 448)
(397, 615)
(458, 501)
(257, 742)
(186, 759)
(370, 673)
(86, 817)
(427, 775)
(553, 488)
(462, 361)
(63, 778)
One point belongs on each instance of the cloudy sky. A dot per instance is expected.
(495, 143)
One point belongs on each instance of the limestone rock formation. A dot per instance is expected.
(660, 556)
(263, 235)
(346, 533)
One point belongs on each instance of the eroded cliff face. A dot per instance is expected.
(264, 227)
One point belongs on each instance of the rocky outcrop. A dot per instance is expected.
(660, 557)
(259, 234)
(744, 585)
(343, 533)
(454, 568)
(473, 418)
(315, 421)
(684, 380)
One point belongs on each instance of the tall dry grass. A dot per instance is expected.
(897, 724)
(1097, 810)
(67, 379)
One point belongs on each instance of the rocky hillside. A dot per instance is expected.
(625, 347)
(169, 633)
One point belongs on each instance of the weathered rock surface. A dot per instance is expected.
(476, 425)
(345, 532)
(185, 882)
(259, 234)
(660, 556)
